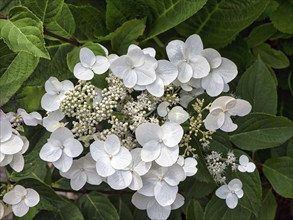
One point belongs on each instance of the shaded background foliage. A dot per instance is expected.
(42, 38)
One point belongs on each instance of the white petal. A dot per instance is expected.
(168, 156)
(27, 118)
(178, 115)
(139, 166)
(241, 168)
(63, 163)
(20, 209)
(231, 201)
(241, 108)
(193, 45)
(250, 167)
(174, 51)
(97, 149)
(222, 102)
(213, 84)
(2, 210)
(104, 167)
(122, 159)
(78, 181)
(32, 198)
(101, 65)
(51, 122)
(12, 146)
(104, 49)
(172, 133)
(17, 162)
(121, 65)
(223, 192)
(5, 159)
(235, 184)
(82, 73)
(150, 51)
(214, 58)
(228, 125)
(239, 193)
(145, 75)
(72, 147)
(179, 201)
(5, 129)
(213, 122)
(174, 175)
(62, 134)
(50, 102)
(167, 71)
(157, 212)
(165, 194)
(150, 151)
(53, 85)
(112, 144)
(67, 85)
(148, 186)
(130, 78)
(190, 166)
(226, 88)
(93, 177)
(140, 201)
(185, 72)
(87, 57)
(121, 179)
(200, 67)
(163, 109)
(137, 56)
(243, 160)
(147, 132)
(15, 195)
(156, 88)
(136, 182)
(227, 70)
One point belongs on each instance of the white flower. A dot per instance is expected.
(61, 148)
(154, 210)
(245, 165)
(231, 193)
(187, 57)
(187, 97)
(109, 156)
(135, 68)
(188, 164)
(90, 64)
(163, 109)
(222, 72)
(160, 143)
(30, 119)
(55, 93)
(81, 172)
(162, 183)
(130, 176)
(221, 110)
(178, 115)
(21, 199)
(52, 121)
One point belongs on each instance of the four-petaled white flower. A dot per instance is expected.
(61, 148)
(231, 193)
(187, 57)
(221, 110)
(90, 64)
(188, 164)
(52, 121)
(178, 115)
(55, 93)
(21, 199)
(155, 211)
(222, 72)
(162, 183)
(81, 172)
(160, 143)
(110, 156)
(135, 68)
(245, 165)
(163, 109)
(30, 119)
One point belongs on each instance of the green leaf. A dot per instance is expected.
(23, 31)
(122, 208)
(258, 87)
(274, 58)
(260, 131)
(46, 10)
(16, 74)
(194, 211)
(219, 22)
(260, 34)
(96, 206)
(217, 209)
(279, 171)
(282, 18)
(197, 189)
(6, 5)
(170, 13)
(6, 57)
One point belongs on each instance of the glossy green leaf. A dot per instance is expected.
(96, 206)
(6, 5)
(194, 211)
(283, 16)
(219, 22)
(16, 74)
(258, 87)
(23, 31)
(279, 171)
(260, 131)
(260, 34)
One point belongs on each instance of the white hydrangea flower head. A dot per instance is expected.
(21, 199)
(245, 165)
(81, 172)
(29, 119)
(135, 68)
(61, 148)
(159, 143)
(222, 72)
(155, 211)
(231, 193)
(163, 109)
(178, 115)
(130, 176)
(90, 64)
(188, 59)
(221, 110)
(55, 93)
(110, 155)
(188, 164)
(52, 121)
(162, 183)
